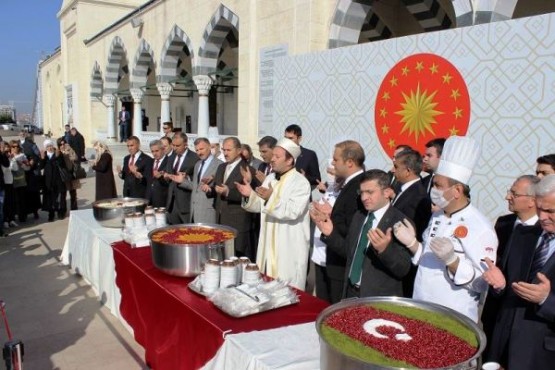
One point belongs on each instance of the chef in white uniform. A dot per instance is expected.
(459, 237)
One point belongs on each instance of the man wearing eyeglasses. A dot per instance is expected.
(377, 262)
(522, 205)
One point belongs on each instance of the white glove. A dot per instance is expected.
(404, 232)
(443, 249)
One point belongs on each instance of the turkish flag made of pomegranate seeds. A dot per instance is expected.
(429, 346)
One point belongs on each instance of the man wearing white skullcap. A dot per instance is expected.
(451, 256)
(282, 200)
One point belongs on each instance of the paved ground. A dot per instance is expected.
(60, 320)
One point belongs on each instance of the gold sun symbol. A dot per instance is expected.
(418, 113)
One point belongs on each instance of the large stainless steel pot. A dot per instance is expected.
(332, 359)
(188, 259)
(111, 212)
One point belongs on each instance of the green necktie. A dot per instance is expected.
(356, 266)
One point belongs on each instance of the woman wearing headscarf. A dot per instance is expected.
(56, 174)
(71, 160)
(33, 176)
(19, 164)
(102, 165)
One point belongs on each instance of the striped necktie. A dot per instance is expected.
(540, 255)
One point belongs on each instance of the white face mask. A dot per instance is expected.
(437, 198)
(49, 154)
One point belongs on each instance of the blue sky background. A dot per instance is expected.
(29, 30)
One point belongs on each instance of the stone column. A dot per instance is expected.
(165, 90)
(137, 95)
(203, 83)
(112, 132)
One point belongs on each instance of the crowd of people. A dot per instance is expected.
(412, 231)
(35, 179)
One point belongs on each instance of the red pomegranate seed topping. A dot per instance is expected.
(430, 346)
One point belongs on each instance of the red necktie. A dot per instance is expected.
(176, 164)
(132, 161)
(155, 166)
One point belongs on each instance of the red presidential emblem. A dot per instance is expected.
(422, 97)
(461, 232)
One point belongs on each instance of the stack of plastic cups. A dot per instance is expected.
(251, 275)
(244, 261)
(160, 217)
(138, 220)
(150, 220)
(238, 267)
(228, 274)
(210, 278)
(128, 220)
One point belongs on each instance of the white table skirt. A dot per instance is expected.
(87, 250)
(295, 347)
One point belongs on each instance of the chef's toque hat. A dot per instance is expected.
(458, 158)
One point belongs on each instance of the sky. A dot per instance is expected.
(29, 30)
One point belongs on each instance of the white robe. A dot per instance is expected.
(462, 291)
(284, 228)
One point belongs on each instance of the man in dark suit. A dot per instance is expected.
(348, 162)
(430, 161)
(524, 333)
(376, 260)
(307, 163)
(412, 200)
(157, 186)
(137, 167)
(522, 205)
(181, 163)
(227, 199)
(265, 147)
(124, 124)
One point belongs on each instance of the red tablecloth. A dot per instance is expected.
(178, 328)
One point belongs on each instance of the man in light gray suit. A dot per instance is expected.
(202, 207)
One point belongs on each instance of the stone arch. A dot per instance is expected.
(96, 81)
(117, 65)
(222, 23)
(358, 21)
(470, 13)
(177, 46)
(347, 21)
(142, 65)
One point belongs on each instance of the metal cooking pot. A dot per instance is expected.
(188, 259)
(332, 359)
(114, 216)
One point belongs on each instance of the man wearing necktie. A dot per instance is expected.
(376, 260)
(157, 186)
(524, 332)
(227, 199)
(202, 207)
(180, 165)
(136, 171)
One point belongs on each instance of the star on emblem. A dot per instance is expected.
(447, 78)
(393, 81)
(419, 66)
(434, 68)
(455, 94)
